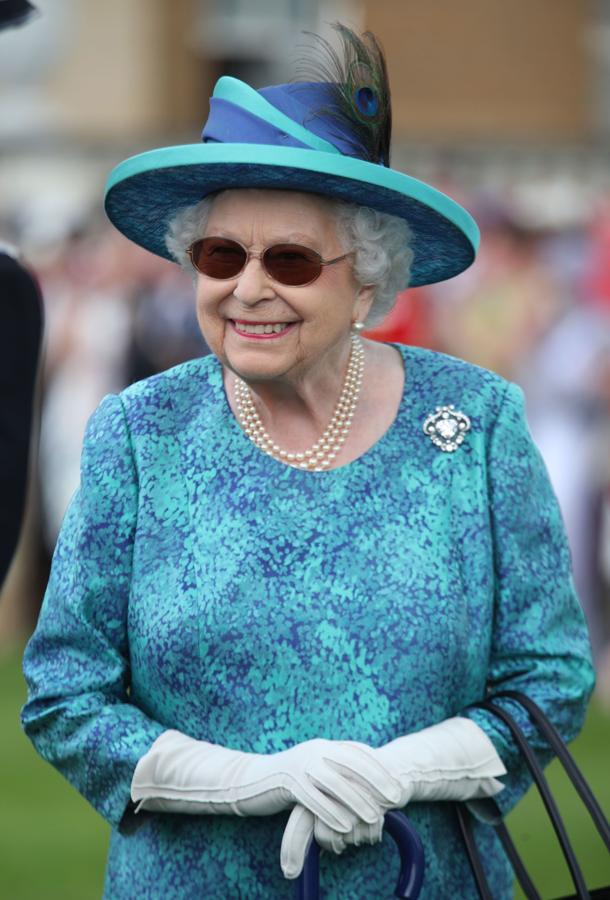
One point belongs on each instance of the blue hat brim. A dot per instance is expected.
(144, 192)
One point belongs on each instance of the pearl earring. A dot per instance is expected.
(357, 327)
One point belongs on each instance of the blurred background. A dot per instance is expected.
(505, 106)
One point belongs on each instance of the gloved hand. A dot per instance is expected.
(303, 826)
(339, 782)
(454, 760)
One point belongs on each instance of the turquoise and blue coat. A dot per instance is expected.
(200, 585)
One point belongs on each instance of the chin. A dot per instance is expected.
(249, 368)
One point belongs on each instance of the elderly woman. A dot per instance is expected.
(291, 566)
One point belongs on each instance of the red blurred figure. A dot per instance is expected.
(409, 322)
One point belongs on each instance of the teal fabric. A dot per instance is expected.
(201, 585)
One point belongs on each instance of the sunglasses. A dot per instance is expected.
(289, 264)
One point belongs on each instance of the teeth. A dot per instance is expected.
(274, 328)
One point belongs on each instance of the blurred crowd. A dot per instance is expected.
(535, 308)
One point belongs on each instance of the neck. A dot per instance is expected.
(295, 423)
(298, 407)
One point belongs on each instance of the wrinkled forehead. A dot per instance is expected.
(273, 214)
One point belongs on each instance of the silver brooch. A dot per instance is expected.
(447, 427)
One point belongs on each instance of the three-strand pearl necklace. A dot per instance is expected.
(320, 455)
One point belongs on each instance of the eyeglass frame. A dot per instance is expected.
(260, 256)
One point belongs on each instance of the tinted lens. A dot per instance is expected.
(218, 257)
(292, 264)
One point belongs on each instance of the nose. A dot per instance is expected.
(253, 284)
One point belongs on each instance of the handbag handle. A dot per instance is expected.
(548, 730)
(547, 797)
(412, 861)
(465, 825)
(574, 774)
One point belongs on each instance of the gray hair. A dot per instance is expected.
(381, 244)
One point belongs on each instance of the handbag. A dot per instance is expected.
(564, 756)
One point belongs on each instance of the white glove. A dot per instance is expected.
(454, 760)
(338, 781)
(303, 826)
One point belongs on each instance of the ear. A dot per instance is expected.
(363, 302)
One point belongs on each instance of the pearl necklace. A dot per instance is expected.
(320, 455)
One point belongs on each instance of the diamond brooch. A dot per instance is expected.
(447, 427)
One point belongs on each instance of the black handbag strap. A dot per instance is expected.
(548, 730)
(472, 852)
(527, 885)
(545, 792)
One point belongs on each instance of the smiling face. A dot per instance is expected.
(263, 330)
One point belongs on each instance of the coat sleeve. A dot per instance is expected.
(540, 642)
(78, 713)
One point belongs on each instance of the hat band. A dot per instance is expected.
(229, 123)
(260, 115)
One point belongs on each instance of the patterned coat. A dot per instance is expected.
(203, 586)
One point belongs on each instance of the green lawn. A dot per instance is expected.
(53, 845)
(533, 833)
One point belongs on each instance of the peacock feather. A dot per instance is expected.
(359, 90)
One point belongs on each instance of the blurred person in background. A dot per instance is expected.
(534, 309)
(292, 565)
(20, 338)
(568, 405)
(87, 286)
(109, 322)
(14, 13)
(495, 314)
(410, 321)
(164, 330)
(572, 415)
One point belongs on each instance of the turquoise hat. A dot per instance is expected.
(289, 137)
